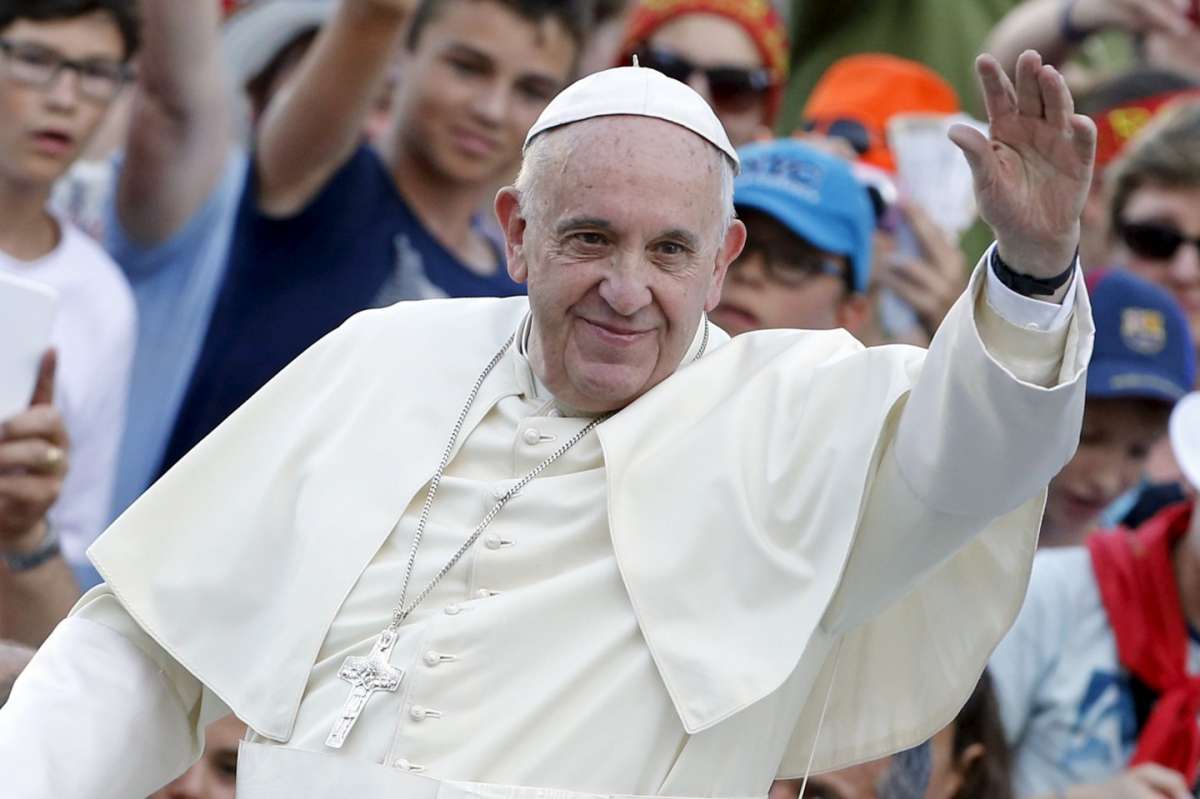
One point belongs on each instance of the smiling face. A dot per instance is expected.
(624, 245)
(473, 86)
(43, 129)
(1117, 437)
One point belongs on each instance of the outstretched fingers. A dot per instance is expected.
(1029, 88)
(999, 96)
(1056, 98)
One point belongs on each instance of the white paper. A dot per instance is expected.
(26, 316)
(931, 170)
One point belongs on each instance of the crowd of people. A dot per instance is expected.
(210, 188)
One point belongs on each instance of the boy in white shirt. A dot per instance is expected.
(62, 63)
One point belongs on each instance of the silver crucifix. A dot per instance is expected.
(366, 676)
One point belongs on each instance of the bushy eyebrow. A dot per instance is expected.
(580, 222)
(685, 237)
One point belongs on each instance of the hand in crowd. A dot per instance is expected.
(1134, 16)
(1032, 176)
(33, 463)
(932, 280)
(1147, 781)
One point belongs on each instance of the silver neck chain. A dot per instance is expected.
(402, 610)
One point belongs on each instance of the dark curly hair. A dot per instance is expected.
(123, 12)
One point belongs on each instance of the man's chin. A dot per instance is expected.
(603, 388)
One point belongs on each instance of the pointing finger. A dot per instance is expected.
(43, 391)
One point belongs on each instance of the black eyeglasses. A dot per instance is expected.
(794, 267)
(853, 132)
(1154, 240)
(733, 89)
(34, 65)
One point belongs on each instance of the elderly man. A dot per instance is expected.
(582, 541)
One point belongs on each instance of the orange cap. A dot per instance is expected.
(872, 88)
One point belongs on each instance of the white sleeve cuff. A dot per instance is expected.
(1026, 312)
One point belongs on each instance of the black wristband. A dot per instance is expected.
(1026, 284)
(27, 561)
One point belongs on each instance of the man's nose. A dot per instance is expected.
(748, 269)
(1185, 264)
(188, 786)
(1118, 474)
(626, 288)
(491, 103)
(699, 83)
(62, 94)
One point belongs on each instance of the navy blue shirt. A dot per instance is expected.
(290, 281)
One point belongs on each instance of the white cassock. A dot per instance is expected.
(789, 525)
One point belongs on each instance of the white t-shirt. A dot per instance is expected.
(1066, 701)
(94, 334)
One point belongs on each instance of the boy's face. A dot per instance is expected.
(44, 126)
(1117, 436)
(778, 282)
(478, 79)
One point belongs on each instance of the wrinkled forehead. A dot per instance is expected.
(622, 153)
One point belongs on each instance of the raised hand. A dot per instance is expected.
(33, 463)
(1032, 175)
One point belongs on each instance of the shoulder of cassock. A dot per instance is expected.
(735, 491)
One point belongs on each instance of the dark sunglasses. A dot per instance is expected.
(794, 266)
(853, 132)
(732, 88)
(1154, 240)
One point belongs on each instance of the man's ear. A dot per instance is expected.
(731, 248)
(512, 222)
(853, 313)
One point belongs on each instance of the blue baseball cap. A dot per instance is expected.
(1143, 346)
(814, 195)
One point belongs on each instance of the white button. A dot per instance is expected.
(492, 541)
(432, 658)
(532, 436)
(452, 610)
(418, 712)
(484, 593)
(499, 490)
(407, 766)
(1032, 326)
(555, 412)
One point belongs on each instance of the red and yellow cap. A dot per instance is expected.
(758, 17)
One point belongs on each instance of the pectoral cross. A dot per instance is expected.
(366, 676)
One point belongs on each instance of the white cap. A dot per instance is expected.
(634, 91)
(1185, 436)
(255, 36)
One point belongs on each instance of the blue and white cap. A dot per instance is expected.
(813, 194)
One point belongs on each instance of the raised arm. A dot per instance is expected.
(36, 594)
(1054, 28)
(180, 132)
(996, 410)
(310, 130)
